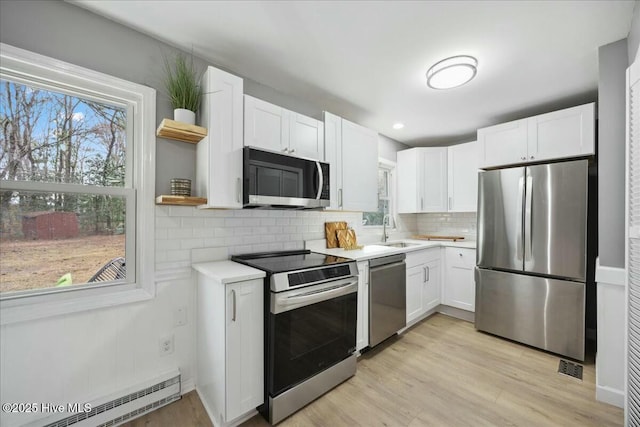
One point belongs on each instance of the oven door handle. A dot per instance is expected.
(281, 302)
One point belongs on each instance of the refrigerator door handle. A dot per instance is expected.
(519, 244)
(528, 218)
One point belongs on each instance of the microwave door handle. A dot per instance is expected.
(320, 181)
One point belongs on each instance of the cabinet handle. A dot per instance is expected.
(450, 202)
(233, 313)
(421, 203)
(523, 158)
(424, 274)
(460, 254)
(292, 151)
(532, 157)
(428, 273)
(340, 198)
(238, 191)
(285, 150)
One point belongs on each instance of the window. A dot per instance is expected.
(76, 182)
(386, 190)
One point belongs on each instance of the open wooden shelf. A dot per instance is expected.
(181, 131)
(180, 200)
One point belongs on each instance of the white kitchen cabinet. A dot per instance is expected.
(422, 180)
(275, 128)
(462, 182)
(352, 152)
(459, 288)
(556, 135)
(219, 154)
(229, 341)
(423, 282)
(560, 134)
(362, 328)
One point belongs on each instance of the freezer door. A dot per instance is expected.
(500, 214)
(542, 312)
(555, 220)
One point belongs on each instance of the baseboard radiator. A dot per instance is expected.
(113, 411)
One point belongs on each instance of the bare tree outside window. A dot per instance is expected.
(59, 236)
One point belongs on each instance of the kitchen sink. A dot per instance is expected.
(399, 244)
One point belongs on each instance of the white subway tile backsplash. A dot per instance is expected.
(182, 230)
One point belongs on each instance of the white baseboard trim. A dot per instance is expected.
(610, 395)
(610, 275)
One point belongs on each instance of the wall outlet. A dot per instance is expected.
(166, 345)
(180, 316)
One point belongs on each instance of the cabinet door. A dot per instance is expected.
(266, 125)
(333, 156)
(407, 184)
(219, 154)
(245, 347)
(306, 137)
(503, 144)
(362, 331)
(415, 286)
(560, 134)
(459, 285)
(431, 286)
(463, 177)
(359, 168)
(434, 180)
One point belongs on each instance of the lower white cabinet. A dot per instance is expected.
(459, 288)
(362, 327)
(423, 282)
(230, 344)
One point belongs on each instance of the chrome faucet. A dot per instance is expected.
(385, 222)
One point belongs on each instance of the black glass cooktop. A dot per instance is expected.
(278, 262)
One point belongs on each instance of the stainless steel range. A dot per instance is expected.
(310, 327)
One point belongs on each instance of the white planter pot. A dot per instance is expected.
(184, 116)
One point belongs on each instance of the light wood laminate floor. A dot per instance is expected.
(441, 372)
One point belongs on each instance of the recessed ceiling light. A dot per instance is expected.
(452, 72)
(398, 125)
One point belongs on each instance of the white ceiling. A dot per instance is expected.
(366, 60)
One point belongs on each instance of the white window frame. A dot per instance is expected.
(24, 66)
(391, 166)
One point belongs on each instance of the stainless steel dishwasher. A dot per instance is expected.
(387, 297)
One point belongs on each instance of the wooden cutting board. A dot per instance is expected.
(330, 231)
(434, 237)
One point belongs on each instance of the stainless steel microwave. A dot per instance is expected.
(280, 181)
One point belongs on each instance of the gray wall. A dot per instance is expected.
(388, 148)
(72, 34)
(633, 39)
(612, 60)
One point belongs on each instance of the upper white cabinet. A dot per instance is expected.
(352, 152)
(422, 180)
(275, 128)
(556, 135)
(459, 289)
(219, 154)
(462, 182)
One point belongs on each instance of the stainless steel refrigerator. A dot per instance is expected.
(531, 256)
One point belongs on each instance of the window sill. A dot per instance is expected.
(12, 311)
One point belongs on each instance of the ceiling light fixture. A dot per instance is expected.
(398, 125)
(452, 72)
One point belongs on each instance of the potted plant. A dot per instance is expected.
(183, 88)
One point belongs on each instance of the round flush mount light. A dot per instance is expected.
(398, 125)
(452, 72)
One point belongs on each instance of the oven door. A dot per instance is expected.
(310, 329)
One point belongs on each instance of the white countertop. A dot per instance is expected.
(228, 271)
(378, 250)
